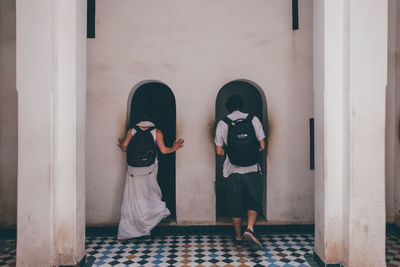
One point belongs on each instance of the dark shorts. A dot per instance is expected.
(244, 192)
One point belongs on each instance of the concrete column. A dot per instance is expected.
(350, 71)
(366, 34)
(51, 84)
(329, 128)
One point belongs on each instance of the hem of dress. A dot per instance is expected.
(148, 232)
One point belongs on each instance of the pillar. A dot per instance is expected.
(365, 87)
(329, 128)
(350, 76)
(51, 84)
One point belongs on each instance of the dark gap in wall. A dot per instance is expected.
(295, 14)
(312, 161)
(158, 100)
(91, 18)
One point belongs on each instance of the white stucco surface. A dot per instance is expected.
(367, 81)
(350, 79)
(195, 47)
(329, 108)
(51, 83)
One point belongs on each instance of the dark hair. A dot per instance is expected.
(148, 116)
(234, 102)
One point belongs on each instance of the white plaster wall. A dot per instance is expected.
(195, 47)
(8, 115)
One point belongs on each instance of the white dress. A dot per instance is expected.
(142, 208)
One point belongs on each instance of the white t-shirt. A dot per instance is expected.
(139, 171)
(221, 137)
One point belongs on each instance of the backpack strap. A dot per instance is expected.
(227, 121)
(250, 117)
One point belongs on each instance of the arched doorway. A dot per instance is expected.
(254, 103)
(157, 99)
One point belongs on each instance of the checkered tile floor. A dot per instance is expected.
(392, 250)
(7, 252)
(202, 251)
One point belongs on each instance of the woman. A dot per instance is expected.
(142, 208)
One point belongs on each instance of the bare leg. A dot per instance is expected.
(251, 219)
(236, 225)
(249, 235)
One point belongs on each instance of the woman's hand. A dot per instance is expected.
(163, 148)
(120, 143)
(123, 143)
(178, 144)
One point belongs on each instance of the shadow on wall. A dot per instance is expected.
(157, 99)
(254, 103)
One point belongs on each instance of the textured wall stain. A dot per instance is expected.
(170, 67)
(179, 131)
(122, 125)
(64, 244)
(334, 252)
(211, 126)
(262, 43)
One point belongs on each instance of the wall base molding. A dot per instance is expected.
(321, 263)
(81, 263)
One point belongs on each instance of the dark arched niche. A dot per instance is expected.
(157, 99)
(254, 103)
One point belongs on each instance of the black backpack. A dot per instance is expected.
(242, 144)
(141, 150)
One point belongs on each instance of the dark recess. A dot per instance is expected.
(158, 100)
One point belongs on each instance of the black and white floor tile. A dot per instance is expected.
(7, 252)
(203, 250)
(393, 250)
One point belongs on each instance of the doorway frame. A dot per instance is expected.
(264, 122)
(128, 118)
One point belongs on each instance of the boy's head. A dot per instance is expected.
(233, 103)
(148, 117)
